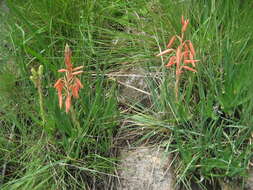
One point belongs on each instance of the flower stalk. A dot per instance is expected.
(36, 78)
(182, 56)
(70, 83)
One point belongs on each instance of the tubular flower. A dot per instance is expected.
(171, 61)
(70, 83)
(68, 103)
(171, 41)
(59, 86)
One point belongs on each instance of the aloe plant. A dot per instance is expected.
(181, 56)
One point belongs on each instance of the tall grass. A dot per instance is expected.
(211, 126)
(208, 129)
(66, 151)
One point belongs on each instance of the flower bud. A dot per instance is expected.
(34, 73)
(40, 70)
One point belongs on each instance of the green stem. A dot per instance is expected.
(74, 118)
(177, 86)
(42, 111)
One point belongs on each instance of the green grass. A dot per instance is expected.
(208, 130)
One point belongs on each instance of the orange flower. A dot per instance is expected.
(70, 83)
(178, 55)
(186, 22)
(68, 54)
(68, 103)
(186, 51)
(182, 20)
(188, 68)
(182, 55)
(191, 48)
(171, 61)
(191, 61)
(164, 52)
(76, 88)
(59, 86)
(171, 41)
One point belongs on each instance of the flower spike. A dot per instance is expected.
(69, 83)
(182, 56)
